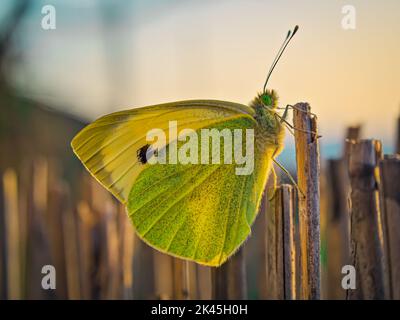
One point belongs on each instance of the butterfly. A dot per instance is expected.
(195, 211)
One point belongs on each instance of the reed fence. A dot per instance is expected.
(346, 213)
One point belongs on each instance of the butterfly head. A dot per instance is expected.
(268, 99)
(265, 103)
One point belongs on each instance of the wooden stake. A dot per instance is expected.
(127, 255)
(338, 218)
(289, 251)
(338, 229)
(3, 245)
(308, 171)
(352, 133)
(274, 256)
(143, 270)
(163, 276)
(71, 249)
(390, 177)
(191, 278)
(86, 223)
(397, 149)
(229, 280)
(110, 220)
(12, 228)
(281, 258)
(366, 221)
(181, 279)
(56, 209)
(204, 280)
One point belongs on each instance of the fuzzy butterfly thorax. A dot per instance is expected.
(270, 131)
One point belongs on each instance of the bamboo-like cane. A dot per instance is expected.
(397, 147)
(308, 171)
(229, 280)
(71, 249)
(390, 176)
(12, 234)
(3, 245)
(366, 221)
(281, 255)
(338, 217)
(205, 285)
(127, 254)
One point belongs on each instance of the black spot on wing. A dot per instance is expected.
(142, 153)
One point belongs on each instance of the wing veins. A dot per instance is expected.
(237, 224)
(244, 181)
(130, 145)
(158, 195)
(115, 137)
(162, 180)
(182, 198)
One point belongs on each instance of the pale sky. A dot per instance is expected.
(146, 52)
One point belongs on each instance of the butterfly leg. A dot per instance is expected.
(271, 191)
(289, 176)
(298, 109)
(285, 113)
(287, 123)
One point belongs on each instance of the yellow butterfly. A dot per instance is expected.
(195, 211)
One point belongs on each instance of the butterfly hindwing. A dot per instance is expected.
(200, 212)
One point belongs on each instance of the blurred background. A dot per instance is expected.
(105, 56)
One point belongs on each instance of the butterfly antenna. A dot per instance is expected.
(273, 62)
(289, 37)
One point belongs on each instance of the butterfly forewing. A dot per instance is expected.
(108, 147)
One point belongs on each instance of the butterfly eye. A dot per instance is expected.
(266, 99)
